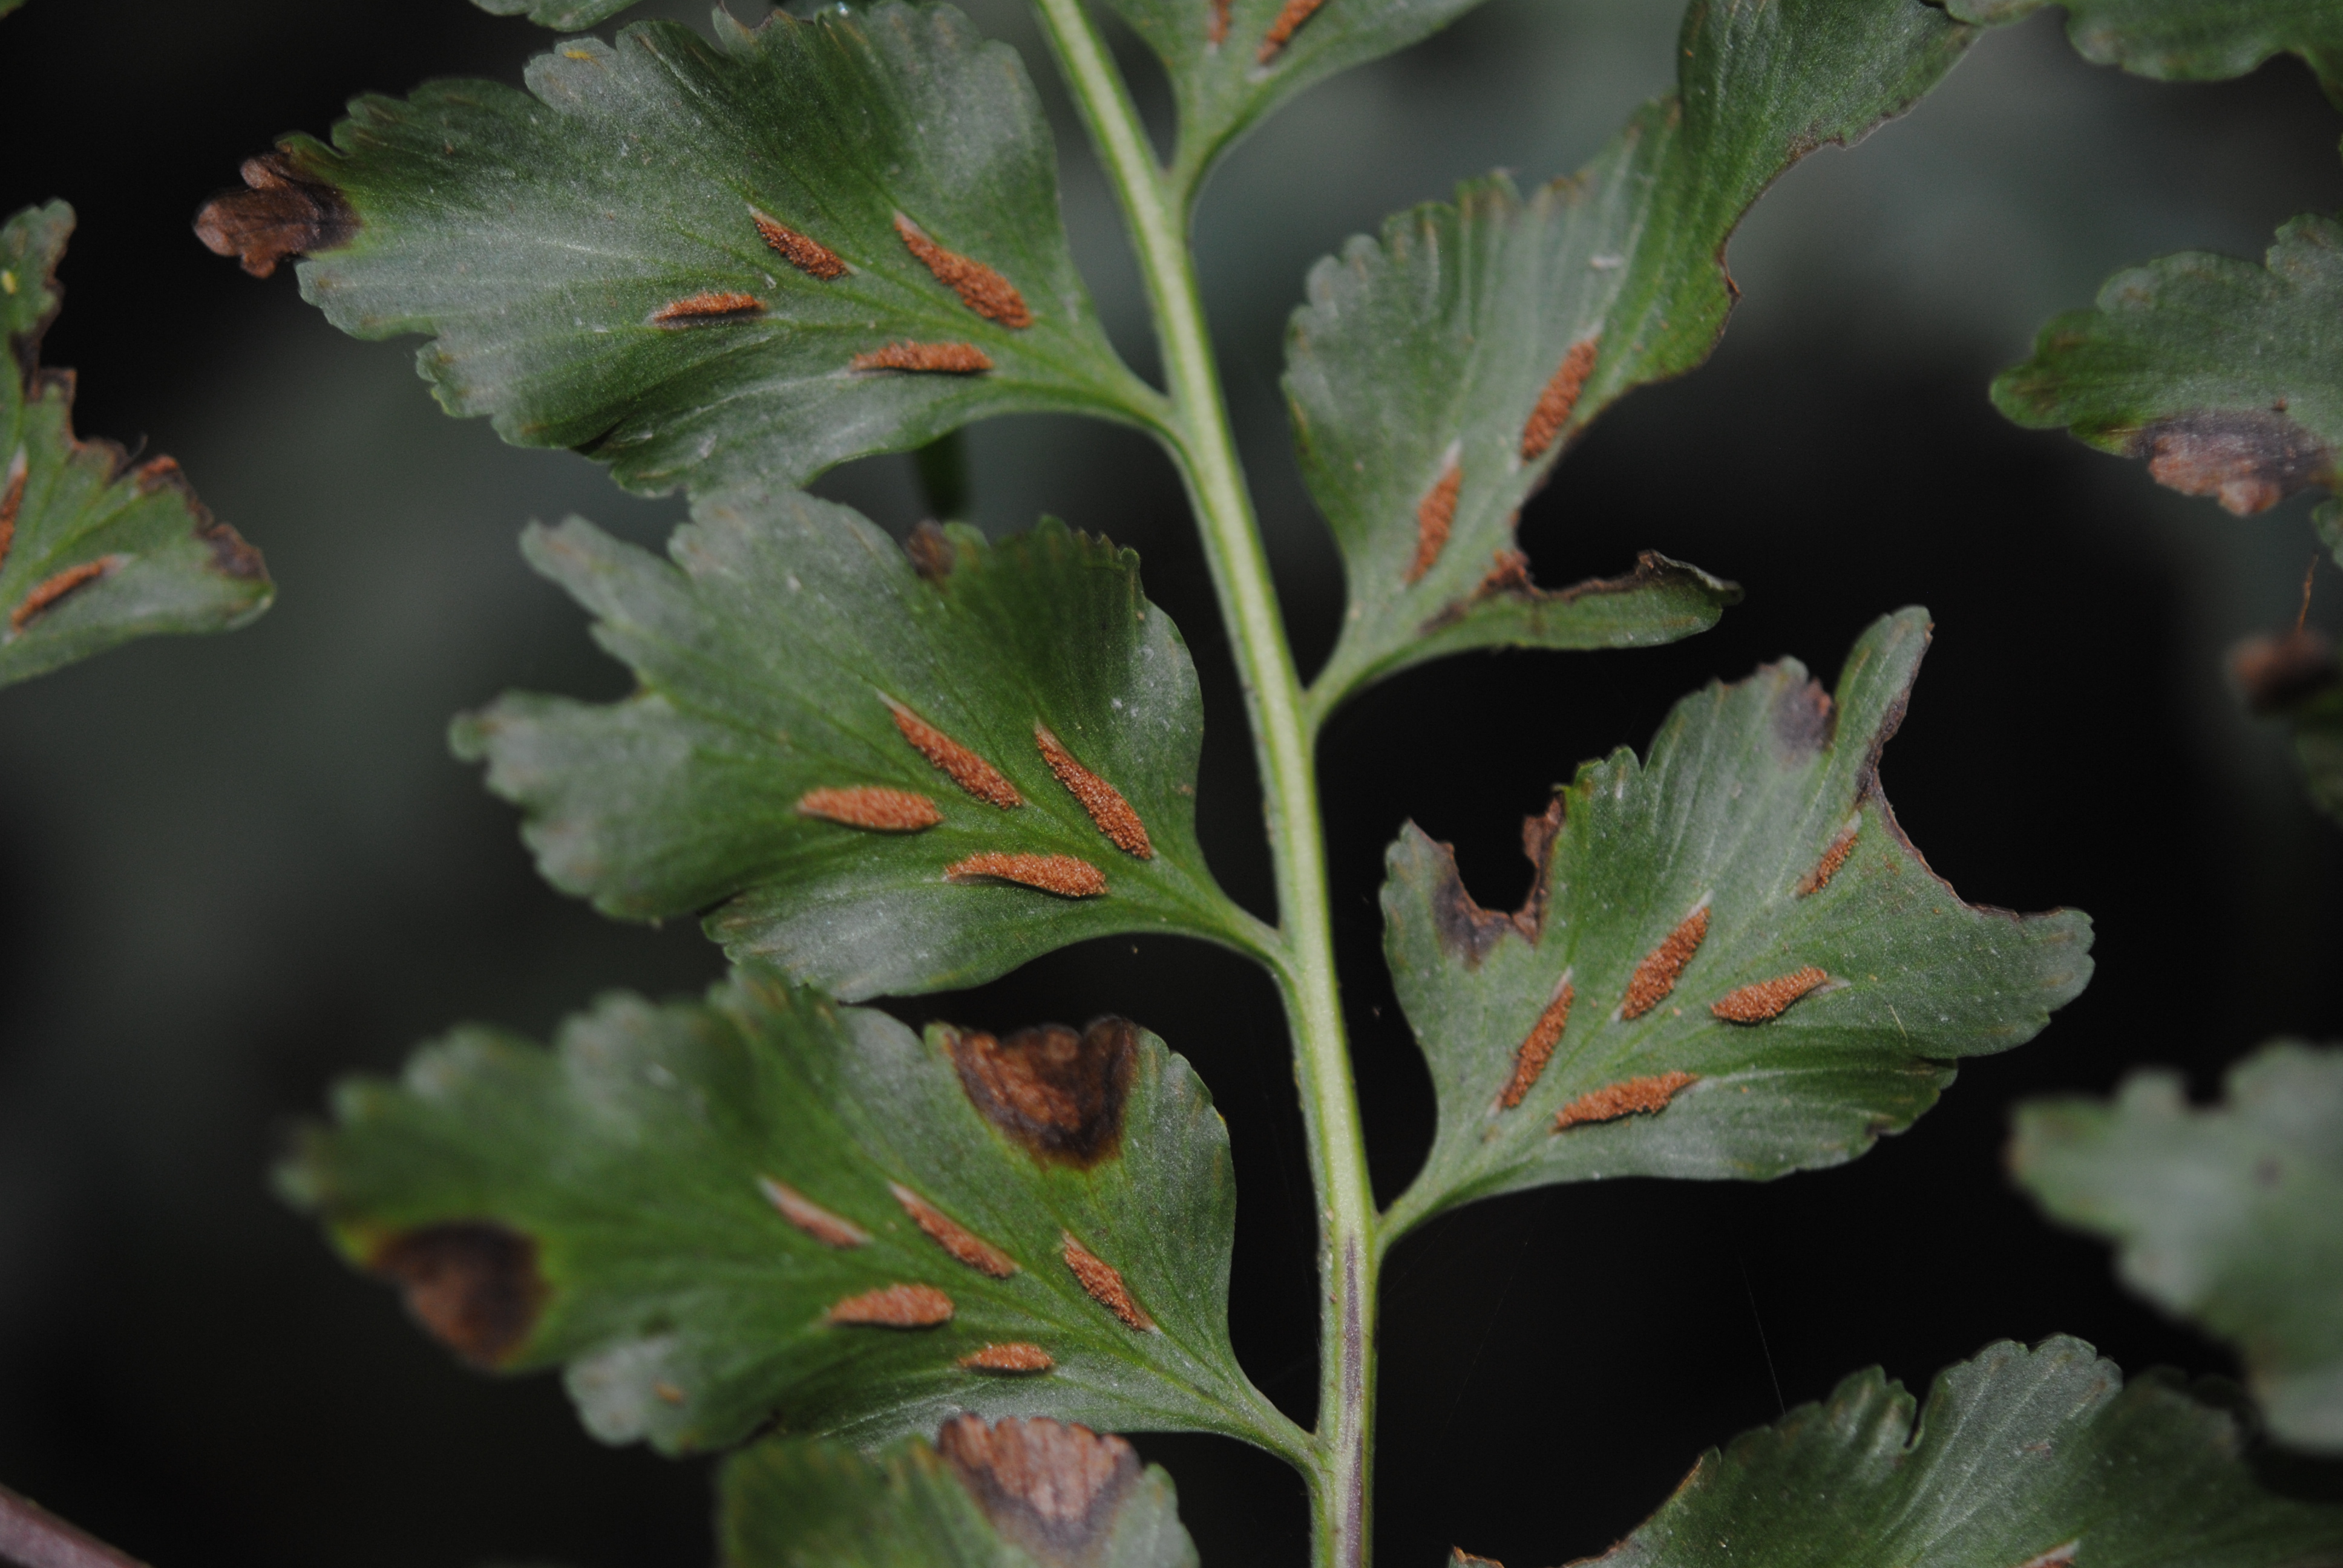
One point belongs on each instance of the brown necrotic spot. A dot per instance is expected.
(953, 761)
(1059, 1093)
(282, 212)
(933, 553)
(1466, 930)
(1016, 1356)
(1508, 573)
(1805, 720)
(1061, 874)
(12, 500)
(809, 256)
(868, 806)
(812, 1218)
(894, 1306)
(49, 590)
(1052, 1489)
(709, 304)
(1657, 975)
(473, 1285)
(959, 1241)
(1103, 800)
(2249, 459)
(1816, 880)
(938, 358)
(1633, 1097)
(1769, 998)
(1281, 32)
(1103, 1282)
(1537, 1048)
(1435, 515)
(1559, 396)
(979, 287)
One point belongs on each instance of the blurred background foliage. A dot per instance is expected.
(233, 869)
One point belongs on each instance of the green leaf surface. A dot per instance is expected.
(1731, 964)
(568, 15)
(94, 550)
(680, 256)
(2231, 1215)
(2227, 376)
(767, 1208)
(1008, 1494)
(792, 649)
(1437, 374)
(2189, 40)
(1227, 73)
(2021, 1458)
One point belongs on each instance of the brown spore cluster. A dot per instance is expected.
(1769, 998)
(872, 808)
(1558, 399)
(1281, 32)
(49, 590)
(1633, 1097)
(805, 253)
(962, 1243)
(1655, 977)
(1537, 1047)
(1216, 23)
(810, 1217)
(893, 1307)
(12, 501)
(473, 1285)
(1016, 1356)
(282, 212)
(1059, 1094)
(709, 304)
(1101, 799)
(1061, 874)
(979, 287)
(1103, 1284)
(1054, 1489)
(937, 358)
(1816, 880)
(953, 761)
(1434, 516)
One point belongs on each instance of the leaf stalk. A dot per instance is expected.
(1156, 214)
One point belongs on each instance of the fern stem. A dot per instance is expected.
(1205, 450)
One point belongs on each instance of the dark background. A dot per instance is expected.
(234, 869)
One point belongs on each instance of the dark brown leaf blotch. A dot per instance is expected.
(283, 213)
(933, 555)
(1054, 1489)
(2250, 459)
(1805, 720)
(1465, 929)
(1468, 931)
(1059, 1093)
(1538, 834)
(473, 1284)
